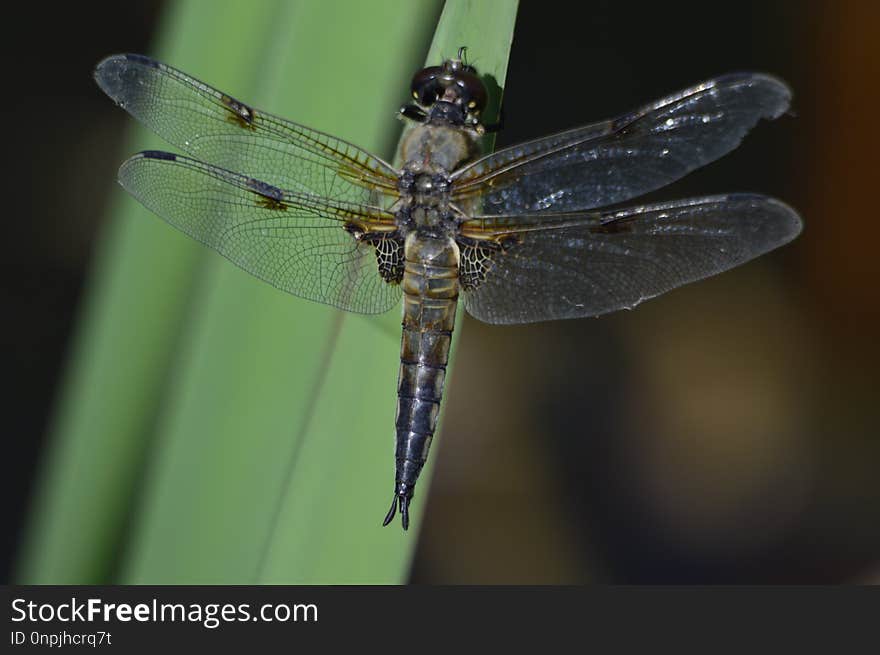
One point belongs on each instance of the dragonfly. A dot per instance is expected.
(533, 232)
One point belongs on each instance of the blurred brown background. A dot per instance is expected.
(725, 432)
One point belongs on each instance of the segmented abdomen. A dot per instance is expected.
(430, 286)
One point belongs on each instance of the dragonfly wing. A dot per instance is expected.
(555, 266)
(299, 243)
(216, 128)
(613, 161)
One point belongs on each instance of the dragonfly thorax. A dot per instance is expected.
(431, 220)
(425, 195)
(421, 184)
(438, 149)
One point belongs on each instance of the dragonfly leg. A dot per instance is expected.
(414, 113)
(498, 125)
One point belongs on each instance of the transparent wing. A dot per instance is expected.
(296, 242)
(220, 130)
(613, 161)
(555, 266)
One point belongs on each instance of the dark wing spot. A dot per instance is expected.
(389, 256)
(476, 261)
(478, 257)
(270, 197)
(389, 252)
(159, 154)
(265, 189)
(507, 241)
(354, 230)
(144, 61)
(240, 112)
(619, 226)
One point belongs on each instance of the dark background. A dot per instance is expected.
(724, 433)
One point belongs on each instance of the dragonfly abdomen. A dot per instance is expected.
(430, 296)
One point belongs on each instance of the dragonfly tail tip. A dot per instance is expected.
(391, 512)
(404, 512)
(403, 501)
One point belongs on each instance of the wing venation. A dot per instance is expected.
(214, 127)
(297, 242)
(571, 266)
(613, 161)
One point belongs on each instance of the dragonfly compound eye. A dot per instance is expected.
(472, 91)
(459, 86)
(426, 85)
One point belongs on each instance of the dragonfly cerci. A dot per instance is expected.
(533, 232)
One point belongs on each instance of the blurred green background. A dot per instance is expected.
(723, 433)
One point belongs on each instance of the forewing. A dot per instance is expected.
(613, 161)
(296, 242)
(569, 266)
(220, 130)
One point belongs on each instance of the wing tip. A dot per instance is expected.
(776, 91)
(788, 223)
(106, 75)
(782, 91)
(109, 74)
(122, 176)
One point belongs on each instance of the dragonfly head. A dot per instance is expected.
(451, 93)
